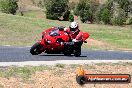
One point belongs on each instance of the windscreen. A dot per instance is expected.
(54, 32)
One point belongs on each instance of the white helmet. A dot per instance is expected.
(74, 26)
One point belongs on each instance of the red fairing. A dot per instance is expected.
(42, 42)
(49, 40)
(82, 36)
(85, 36)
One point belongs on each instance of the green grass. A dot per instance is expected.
(21, 72)
(89, 67)
(21, 31)
(120, 37)
(25, 31)
(121, 64)
(101, 64)
(114, 64)
(74, 66)
(60, 65)
(33, 14)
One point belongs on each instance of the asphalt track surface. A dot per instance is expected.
(21, 54)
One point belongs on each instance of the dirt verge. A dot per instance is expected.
(63, 76)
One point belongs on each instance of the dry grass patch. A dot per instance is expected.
(64, 77)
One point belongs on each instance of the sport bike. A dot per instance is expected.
(56, 41)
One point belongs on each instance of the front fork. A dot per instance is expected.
(42, 42)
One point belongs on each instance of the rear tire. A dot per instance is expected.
(67, 50)
(36, 49)
(77, 50)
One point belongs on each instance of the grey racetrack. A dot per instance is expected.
(20, 54)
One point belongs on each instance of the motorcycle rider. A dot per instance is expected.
(73, 31)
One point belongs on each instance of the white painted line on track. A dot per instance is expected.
(28, 46)
(17, 46)
(7, 45)
(38, 63)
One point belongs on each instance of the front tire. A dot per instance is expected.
(36, 49)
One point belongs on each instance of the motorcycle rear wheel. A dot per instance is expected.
(35, 49)
(67, 50)
(77, 52)
(77, 49)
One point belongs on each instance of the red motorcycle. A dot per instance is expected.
(56, 41)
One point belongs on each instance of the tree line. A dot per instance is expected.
(113, 12)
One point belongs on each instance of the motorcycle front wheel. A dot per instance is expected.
(36, 49)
